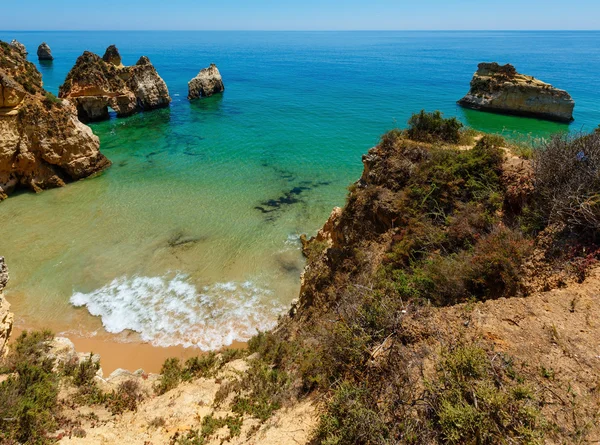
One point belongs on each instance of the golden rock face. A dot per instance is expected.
(501, 89)
(42, 143)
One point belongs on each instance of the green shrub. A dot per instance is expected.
(475, 400)
(28, 397)
(171, 375)
(432, 127)
(567, 183)
(260, 391)
(126, 397)
(351, 419)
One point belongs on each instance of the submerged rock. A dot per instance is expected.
(44, 52)
(95, 83)
(42, 143)
(501, 89)
(206, 83)
(6, 317)
(19, 47)
(111, 55)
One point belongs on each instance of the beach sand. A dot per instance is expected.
(128, 355)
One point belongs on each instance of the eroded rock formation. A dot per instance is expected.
(6, 317)
(19, 47)
(44, 52)
(42, 143)
(112, 55)
(96, 83)
(206, 83)
(499, 88)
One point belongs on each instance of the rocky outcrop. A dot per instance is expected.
(499, 88)
(19, 47)
(206, 83)
(112, 56)
(44, 52)
(6, 317)
(95, 83)
(42, 143)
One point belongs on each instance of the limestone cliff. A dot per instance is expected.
(499, 88)
(42, 143)
(206, 83)
(96, 83)
(6, 317)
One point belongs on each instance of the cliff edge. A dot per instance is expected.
(6, 317)
(42, 142)
(501, 89)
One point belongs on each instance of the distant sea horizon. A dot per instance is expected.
(240, 176)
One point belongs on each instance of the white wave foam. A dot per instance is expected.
(171, 311)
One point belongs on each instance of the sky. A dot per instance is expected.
(301, 15)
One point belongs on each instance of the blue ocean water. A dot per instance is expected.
(199, 215)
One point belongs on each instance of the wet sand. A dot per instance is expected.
(129, 355)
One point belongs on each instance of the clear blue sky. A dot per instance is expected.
(299, 14)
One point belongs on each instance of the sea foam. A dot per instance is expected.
(171, 311)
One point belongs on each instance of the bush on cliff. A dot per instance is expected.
(28, 397)
(567, 181)
(432, 127)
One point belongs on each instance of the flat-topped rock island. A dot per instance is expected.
(501, 89)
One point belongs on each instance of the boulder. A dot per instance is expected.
(6, 316)
(19, 47)
(42, 142)
(206, 83)
(44, 52)
(96, 83)
(112, 56)
(501, 89)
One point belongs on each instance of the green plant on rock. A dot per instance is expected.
(432, 127)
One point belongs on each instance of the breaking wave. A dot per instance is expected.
(171, 311)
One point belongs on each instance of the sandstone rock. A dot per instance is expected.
(11, 93)
(44, 52)
(6, 317)
(206, 83)
(42, 143)
(112, 56)
(19, 47)
(95, 83)
(499, 88)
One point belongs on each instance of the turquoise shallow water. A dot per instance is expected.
(191, 236)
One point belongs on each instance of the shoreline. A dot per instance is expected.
(130, 356)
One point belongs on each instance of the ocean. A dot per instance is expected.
(192, 236)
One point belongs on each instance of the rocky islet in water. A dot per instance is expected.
(96, 83)
(206, 83)
(501, 89)
(44, 52)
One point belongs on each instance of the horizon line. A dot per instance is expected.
(301, 30)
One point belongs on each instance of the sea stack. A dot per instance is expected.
(42, 143)
(501, 89)
(206, 83)
(44, 52)
(96, 83)
(19, 47)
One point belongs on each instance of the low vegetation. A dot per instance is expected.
(430, 225)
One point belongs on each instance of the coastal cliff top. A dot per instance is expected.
(490, 76)
(15, 65)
